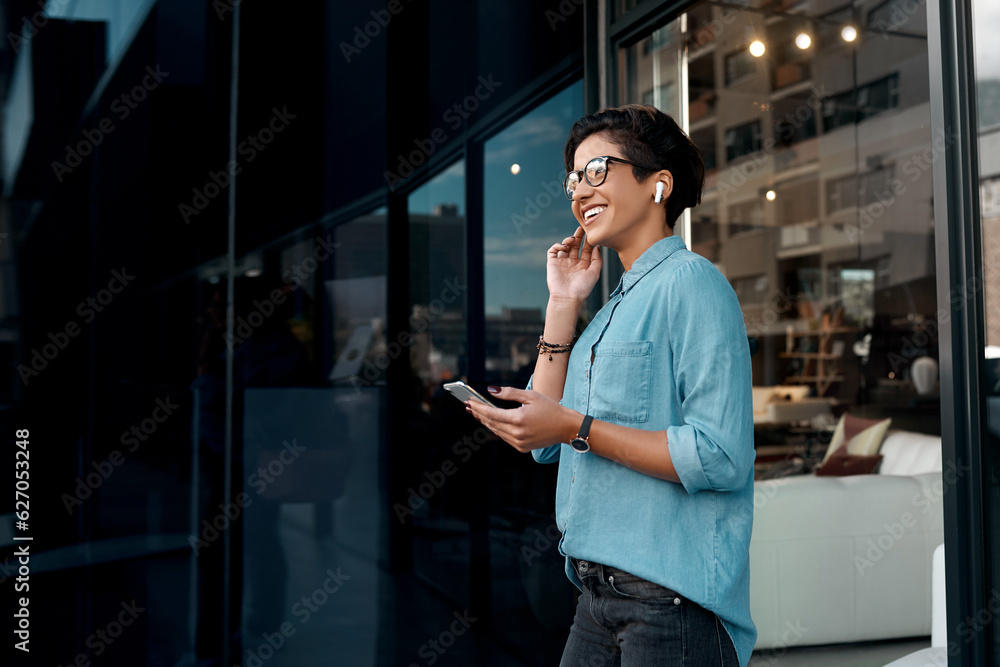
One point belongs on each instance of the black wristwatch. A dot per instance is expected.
(581, 442)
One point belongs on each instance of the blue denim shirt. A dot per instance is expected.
(669, 354)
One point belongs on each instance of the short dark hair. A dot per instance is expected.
(650, 137)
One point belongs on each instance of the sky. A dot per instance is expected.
(986, 18)
(524, 212)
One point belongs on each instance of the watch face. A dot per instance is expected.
(580, 445)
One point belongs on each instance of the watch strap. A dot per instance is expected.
(584, 431)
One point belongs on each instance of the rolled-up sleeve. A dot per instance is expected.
(712, 449)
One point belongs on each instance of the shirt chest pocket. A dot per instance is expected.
(620, 380)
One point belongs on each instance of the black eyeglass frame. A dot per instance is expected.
(582, 173)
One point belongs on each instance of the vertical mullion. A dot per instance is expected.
(480, 565)
(956, 212)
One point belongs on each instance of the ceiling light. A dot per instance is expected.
(515, 169)
(849, 33)
(770, 195)
(803, 41)
(757, 48)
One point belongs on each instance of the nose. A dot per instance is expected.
(583, 190)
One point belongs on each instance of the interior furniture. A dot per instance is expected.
(937, 653)
(848, 559)
(787, 404)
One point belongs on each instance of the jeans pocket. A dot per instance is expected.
(630, 586)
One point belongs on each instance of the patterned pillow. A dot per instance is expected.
(860, 436)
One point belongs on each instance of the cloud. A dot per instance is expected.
(521, 251)
(986, 15)
(526, 134)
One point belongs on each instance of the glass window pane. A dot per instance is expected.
(986, 18)
(817, 209)
(309, 431)
(525, 212)
(438, 514)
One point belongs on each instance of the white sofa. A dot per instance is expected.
(847, 559)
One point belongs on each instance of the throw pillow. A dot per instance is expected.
(843, 464)
(860, 436)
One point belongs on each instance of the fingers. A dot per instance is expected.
(483, 414)
(511, 394)
(595, 257)
(557, 248)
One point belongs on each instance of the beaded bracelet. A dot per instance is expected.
(553, 348)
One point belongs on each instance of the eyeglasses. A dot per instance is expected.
(595, 172)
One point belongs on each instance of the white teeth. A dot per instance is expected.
(594, 211)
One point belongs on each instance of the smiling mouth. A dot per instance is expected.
(589, 216)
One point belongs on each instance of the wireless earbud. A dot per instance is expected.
(659, 192)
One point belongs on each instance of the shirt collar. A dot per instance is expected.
(649, 259)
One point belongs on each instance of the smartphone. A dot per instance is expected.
(464, 392)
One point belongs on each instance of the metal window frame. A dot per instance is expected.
(959, 268)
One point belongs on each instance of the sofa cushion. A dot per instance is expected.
(842, 464)
(862, 436)
(908, 453)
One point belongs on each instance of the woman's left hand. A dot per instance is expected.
(539, 422)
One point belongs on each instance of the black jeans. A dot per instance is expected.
(622, 620)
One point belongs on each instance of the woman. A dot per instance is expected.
(649, 414)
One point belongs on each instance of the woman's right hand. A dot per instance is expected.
(571, 274)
